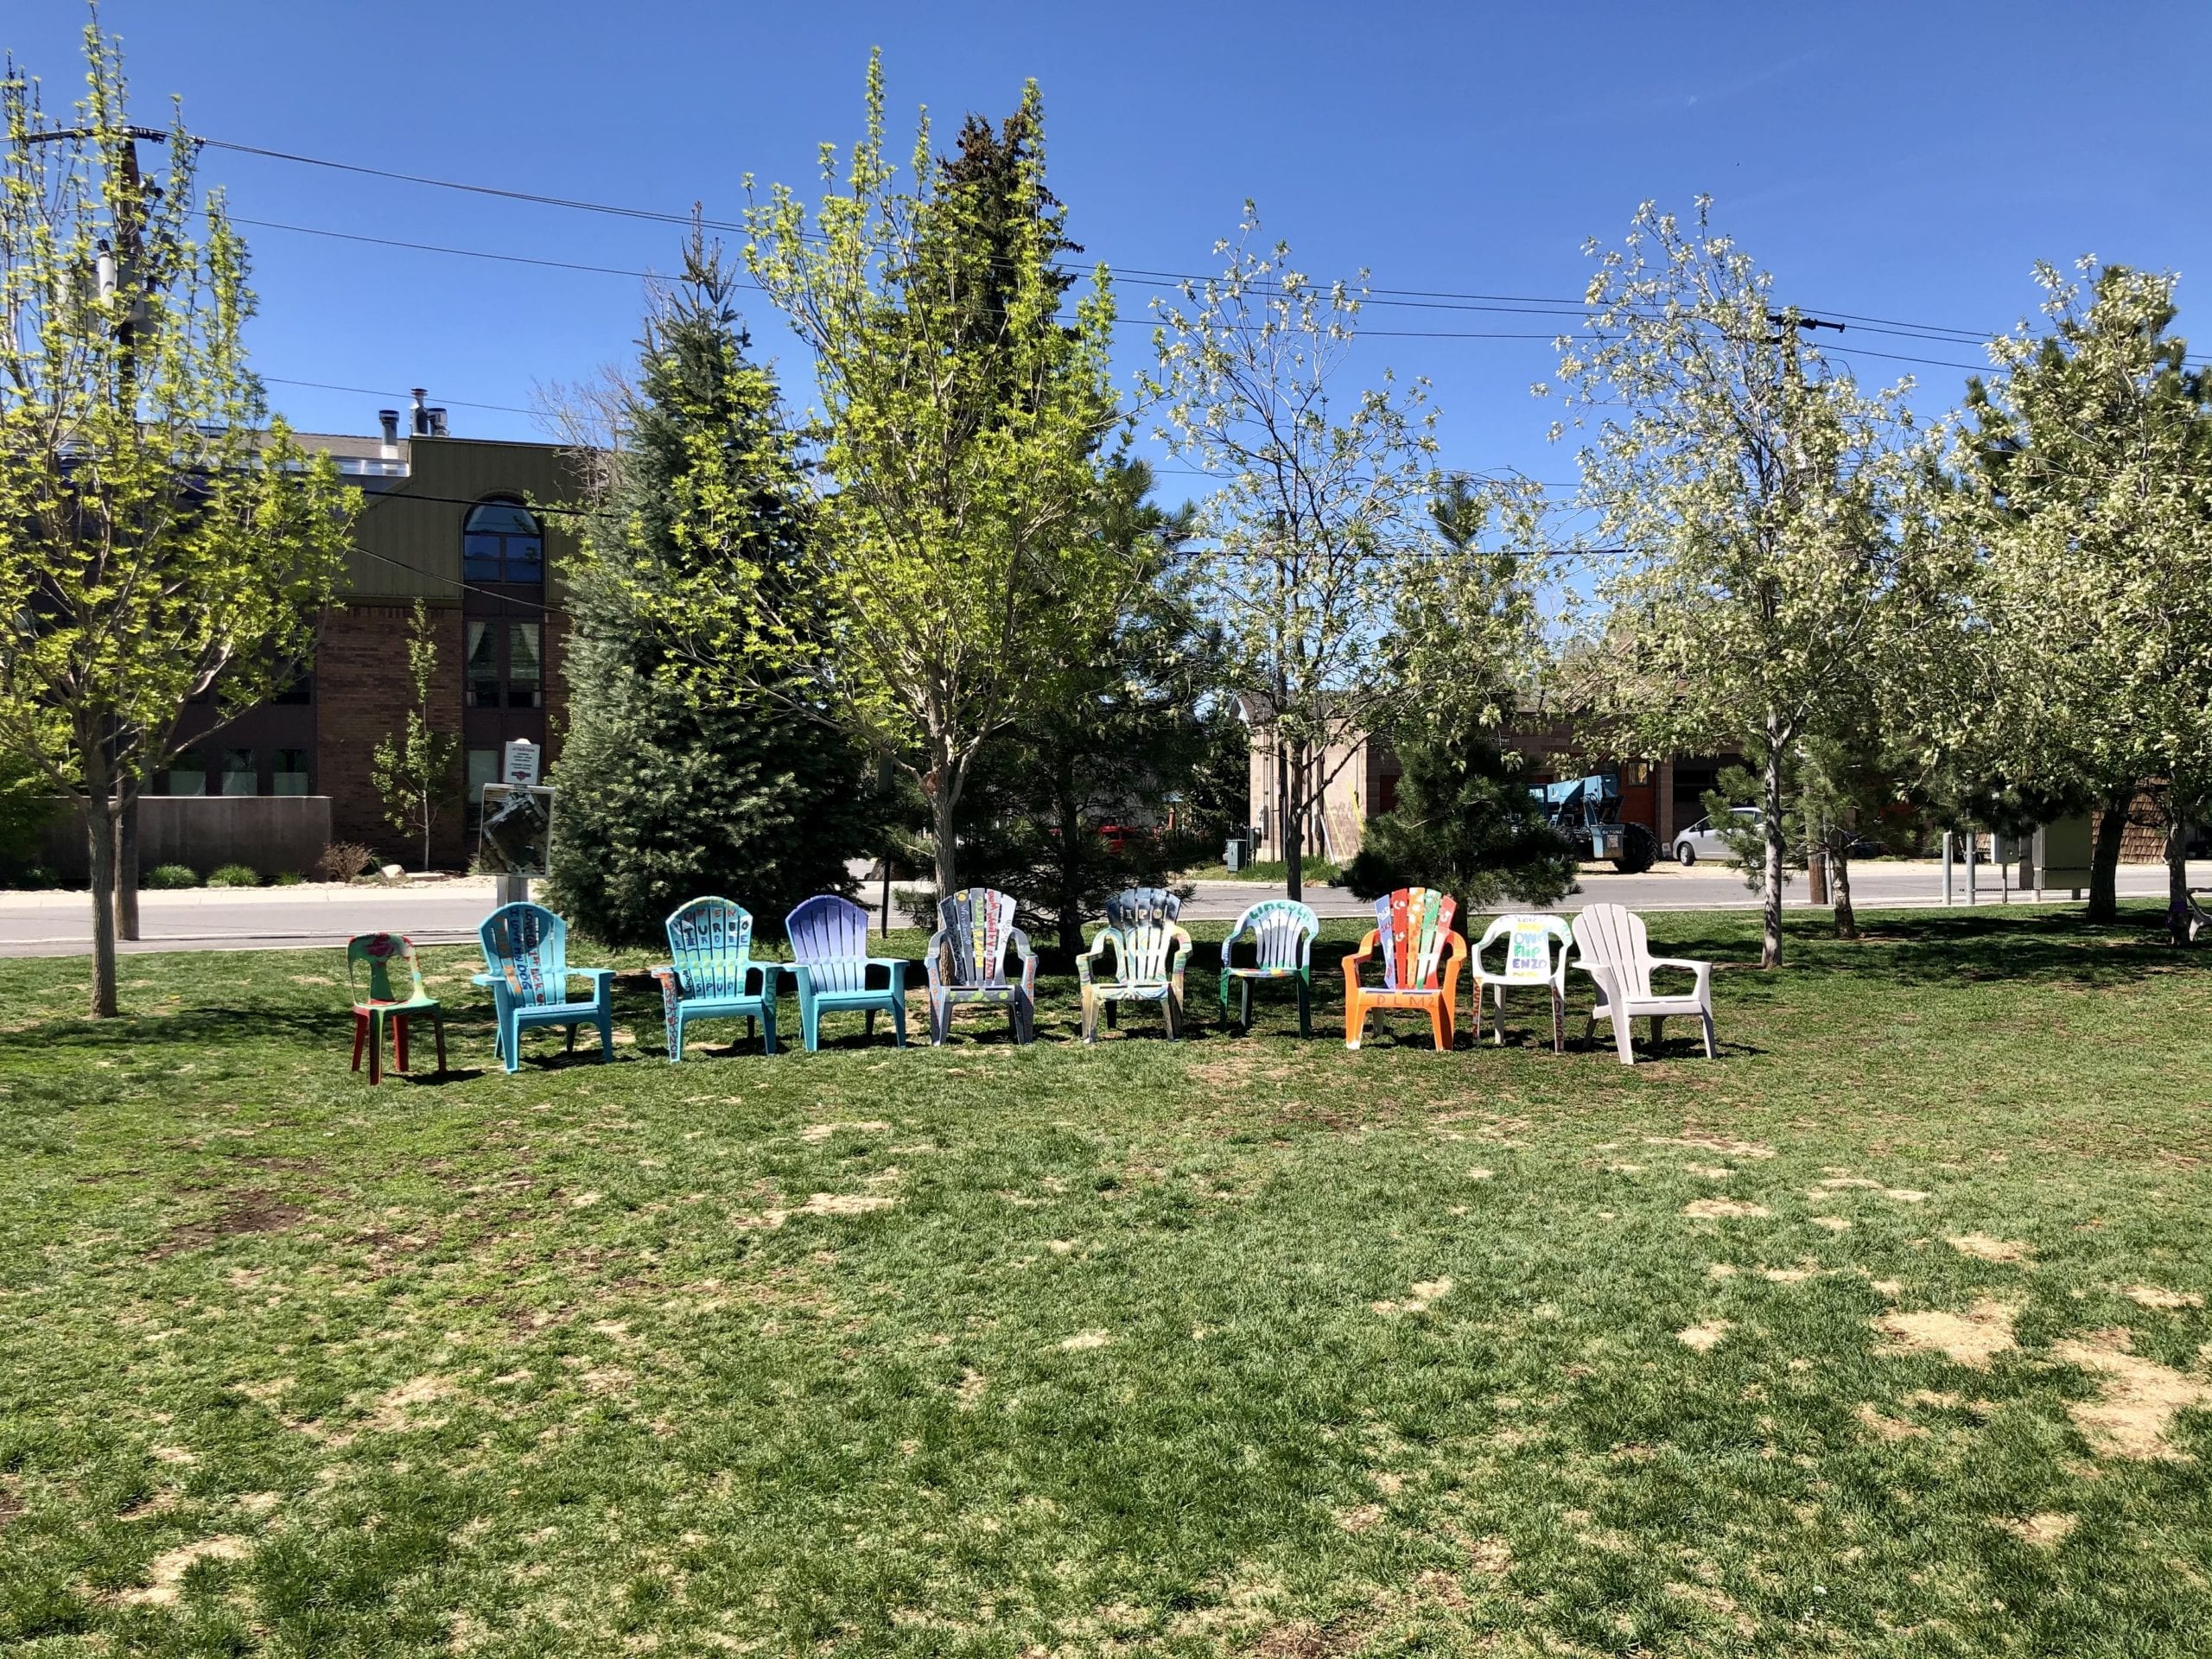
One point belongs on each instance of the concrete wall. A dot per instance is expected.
(272, 833)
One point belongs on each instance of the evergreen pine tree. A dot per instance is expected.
(667, 793)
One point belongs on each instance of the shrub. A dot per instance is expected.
(286, 879)
(235, 876)
(342, 860)
(166, 878)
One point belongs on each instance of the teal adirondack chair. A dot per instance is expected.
(1149, 951)
(709, 975)
(1282, 932)
(371, 954)
(831, 961)
(967, 962)
(526, 956)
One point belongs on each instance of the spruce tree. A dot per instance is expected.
(671, 789)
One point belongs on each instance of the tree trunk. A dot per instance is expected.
(99, 829)
(944, 801)
(1846, 919)
(126, 860)
(1293, 823)
(1770, 942)
(2104, 857)
(2178, 875)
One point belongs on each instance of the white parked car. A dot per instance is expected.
(1702, 839)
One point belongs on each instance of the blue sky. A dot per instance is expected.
(1890, 161)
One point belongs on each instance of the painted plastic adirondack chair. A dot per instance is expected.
(709, 975)
(1150, 949)
(1529, 960)
(1282, 932)
(967, 962)
(370, 957)
(526, 958)
(1421, 957)
(1610, 946)
(831, 961)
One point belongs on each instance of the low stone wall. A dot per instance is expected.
(271, 833)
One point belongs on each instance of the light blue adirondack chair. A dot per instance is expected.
(1149, 951)
(526, 956)
(967, 962)
(709, 975)
(831, 961)
(1282, 932)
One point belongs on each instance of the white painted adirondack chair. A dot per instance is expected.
(1530, 959)
(1612, 947)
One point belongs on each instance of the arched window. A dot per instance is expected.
(500, 541)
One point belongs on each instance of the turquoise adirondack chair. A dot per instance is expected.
(526, 956)
(1150, 949)
(831, 961)
(967, 962)
(710, 975)
(371, 954)
(1282, 932)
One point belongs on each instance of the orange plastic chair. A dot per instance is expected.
(1421, 960)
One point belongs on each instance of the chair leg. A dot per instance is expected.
(360, 1037)
(1658, 1033)
(1559, 1021)
(511, 1044)
(1305, 1006)
(868, 1028)
(606, 1023)
(1113, 1013)
(1355, 1019)
(809, 1029)
(399, 1042)
(899, 1023)
(1440, 1024)
(376, 1047)
(572, 1041)
(768, 1029)
(1625, 1038)
(1706, 1017)
(1171, 1010)
(1244, 1019)
(438, 1031)
(752, 1027)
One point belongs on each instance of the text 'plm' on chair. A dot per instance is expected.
(1281, 932)
(527, 960)
(1150, 950)
(830, 961)
(710, 973)
(1421, 957)
(1535, 954)
(370, 957)
(1611, 947)
(967, 962)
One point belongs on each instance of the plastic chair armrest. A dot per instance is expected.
(934, 957)
(767, 970)
(1702, 969)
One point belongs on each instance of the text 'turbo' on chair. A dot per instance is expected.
(1282, 932)
(967, 962)
(831, 961)
(1611, 946)
(710, 973)
(1421, 956)
(376, 952)
(1529, 960)
(1150, 949)
(526, 958)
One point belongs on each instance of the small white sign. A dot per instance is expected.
(519, 765)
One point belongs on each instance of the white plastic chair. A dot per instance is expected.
(1529, 960)
(1612, 947)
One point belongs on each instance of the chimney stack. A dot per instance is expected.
(389, 420)
(437, 422)
(420, 417)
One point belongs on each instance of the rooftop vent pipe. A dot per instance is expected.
(420, 422)
(389, 420)
(437, 422)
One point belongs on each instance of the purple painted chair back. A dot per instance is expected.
(830, 936)
(527, 946)
(711, 946)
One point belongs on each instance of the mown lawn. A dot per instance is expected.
(1883, 1334)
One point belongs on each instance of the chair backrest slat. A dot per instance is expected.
(1611, 935)
(1142, 921)
(977, 922)
(1282, 931)
(527, 945)
(830, 935)
(1415, 926)
(710, 945)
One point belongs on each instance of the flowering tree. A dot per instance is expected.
(1755, 489)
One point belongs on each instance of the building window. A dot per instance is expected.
(522, 676)
(188, 774)
(483, 669)
(239, 776)
(289, 774)
(500, 541)
(483, 768)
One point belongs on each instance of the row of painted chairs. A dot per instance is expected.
(1140, 956)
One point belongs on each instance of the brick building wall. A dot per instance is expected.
(364, 692)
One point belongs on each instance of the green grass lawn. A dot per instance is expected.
(1883, 1334)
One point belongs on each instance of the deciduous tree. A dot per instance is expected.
(412, 769)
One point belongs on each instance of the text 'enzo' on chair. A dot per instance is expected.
(1530, 959)
(526, 958)
(1611, 947)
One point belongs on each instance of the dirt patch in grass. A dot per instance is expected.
(1724, 1209)
(1983, 1248)
(824, 1131)
(2166, 1301)
(1426, 1293)
(396, 1409)
(1083, 1340)
(244, 1213)
(1969, 1338)
(165, 1576)
(2045, 1531)
(822, 1203)
(2138, 1398)
(1704, 1338)
(1713, 1143)
(1884, 1428)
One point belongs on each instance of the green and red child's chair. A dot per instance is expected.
(377, 953)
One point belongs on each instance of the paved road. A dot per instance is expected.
(447, 911)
